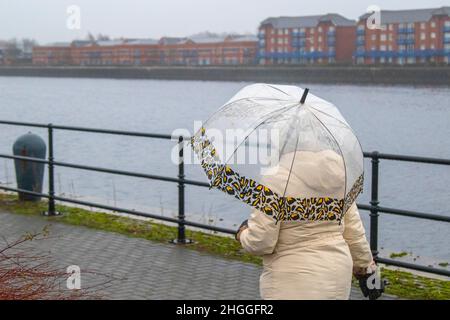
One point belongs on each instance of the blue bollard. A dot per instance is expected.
(29, 175)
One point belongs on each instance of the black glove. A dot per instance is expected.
(373, 292)
(243, 224)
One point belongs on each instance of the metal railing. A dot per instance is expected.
(374, 208)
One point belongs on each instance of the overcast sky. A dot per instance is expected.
(45, 20)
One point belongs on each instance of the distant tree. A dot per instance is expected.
(90, 37)
(28, 44)
(12, 51)
(103, 37)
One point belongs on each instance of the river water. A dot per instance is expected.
(403, 120)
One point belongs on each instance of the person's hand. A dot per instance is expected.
(360, 272)
(370, 283)
(242, 227)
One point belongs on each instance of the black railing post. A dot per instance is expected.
(374, 204)
(51, 176)
(181, 238)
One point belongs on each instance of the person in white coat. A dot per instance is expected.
(308, 259)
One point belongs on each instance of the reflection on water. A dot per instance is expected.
(405, 120)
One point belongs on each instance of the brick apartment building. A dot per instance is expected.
(405, 37)
(227, 50)
(320, 39)
(52, 55)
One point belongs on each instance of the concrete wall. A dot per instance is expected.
(335, 75)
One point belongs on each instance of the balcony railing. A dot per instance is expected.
(402, 54)
(297, 43)
(299, 34)
(360, 42)
(406, 41)
(406, 30)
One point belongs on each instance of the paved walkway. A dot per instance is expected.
(141, 269)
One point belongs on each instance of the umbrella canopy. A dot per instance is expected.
(283, 151)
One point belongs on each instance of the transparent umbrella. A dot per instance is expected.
(283, 151)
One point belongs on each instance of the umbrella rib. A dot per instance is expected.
(329, 115)
(346, 124)
(292, 163)
(273, 87)
(340, 150)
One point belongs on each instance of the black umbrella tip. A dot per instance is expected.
(305, 94)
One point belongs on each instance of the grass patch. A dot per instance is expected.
(398, 255)
(402, 284)
(411, 286)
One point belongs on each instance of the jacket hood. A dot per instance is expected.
(315, 174)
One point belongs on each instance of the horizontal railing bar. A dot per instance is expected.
(130, 173)
(32, 193)
(92, 130)
(413, 266)
(24, 124)
(117, 132)
(106, 170)
(406, 213)
(196, 183)
(397, 157)
(117, 172)
(24, 158)
(124, 210)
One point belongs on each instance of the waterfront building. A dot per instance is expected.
(319, 39)
(208, 50)
(200, 50)
(405, 37)
(55, 54)
(115, 52)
